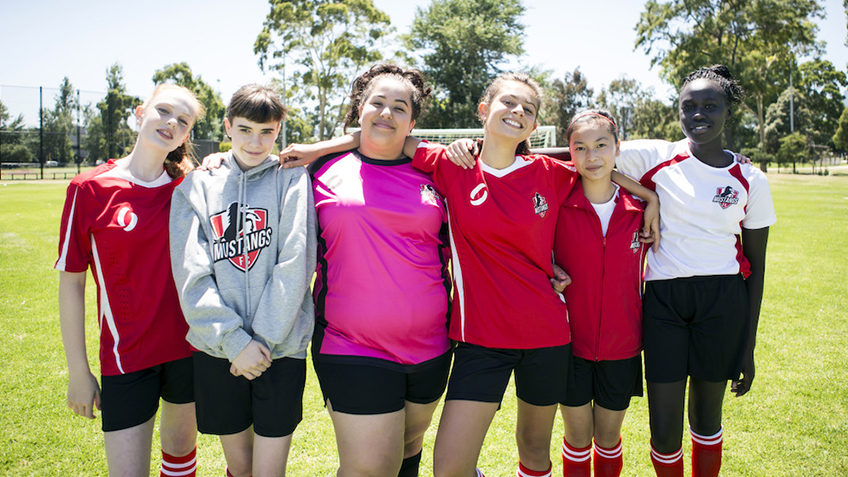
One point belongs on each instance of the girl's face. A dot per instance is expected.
(166, 119)
(703, 111)
(593, 149)
(386, 119)
(512, 112)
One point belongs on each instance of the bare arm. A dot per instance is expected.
(304, 154)
(754, 244)
(651, 220)
(83, 390)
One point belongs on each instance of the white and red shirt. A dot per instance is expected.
(702, 208)
(502, 225)
(605, 296)
(382, 285)
(118, 226)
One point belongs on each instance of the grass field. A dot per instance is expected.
(792, 423)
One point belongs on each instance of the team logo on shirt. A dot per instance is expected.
(240, 237)
(127, 219)
(726, 196)
(634, 242)
(479, 194)
(429, 194)
(540, 205)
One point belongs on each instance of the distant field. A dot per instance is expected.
(794, 422)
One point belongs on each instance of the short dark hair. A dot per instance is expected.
(601, 116)
(721, 75)
(256, 103)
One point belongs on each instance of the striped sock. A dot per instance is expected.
(576, 462)
(608, 462)
(706, 454)
(185, 466)
(480, 473)
(525, 472)
(667, 465)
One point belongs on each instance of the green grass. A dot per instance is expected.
(792, 423)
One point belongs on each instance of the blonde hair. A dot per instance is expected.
(180, 161)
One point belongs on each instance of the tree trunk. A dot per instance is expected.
(762, 128)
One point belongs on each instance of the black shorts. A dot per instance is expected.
(228, 404)
(695, 326)
(482, 374)
(362, 386)
(609, 383)
(127, 400)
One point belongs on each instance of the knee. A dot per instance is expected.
(178, 442)
(534, 444)
(370, 466)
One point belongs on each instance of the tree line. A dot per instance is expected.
(315, 47)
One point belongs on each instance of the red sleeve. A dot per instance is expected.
(432, 159)
(74, 246)
(565, 177)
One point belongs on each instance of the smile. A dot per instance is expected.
(513, 123)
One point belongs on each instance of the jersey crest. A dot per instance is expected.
(240, 237)
(726, 196)
(429, 194)
(540, 205)
(634, 242)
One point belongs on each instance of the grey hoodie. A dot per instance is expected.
(243, 255)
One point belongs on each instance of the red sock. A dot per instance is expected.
(667, 465)
(706, 454)
(576, 462)
(229, 474)
(185, 466)
(525, 472)
(608, 462)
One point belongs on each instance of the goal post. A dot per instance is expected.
(543, 136)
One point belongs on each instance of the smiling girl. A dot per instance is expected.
(115, 221)
(705, 282)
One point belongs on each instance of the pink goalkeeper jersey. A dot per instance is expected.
(502, 224)
(118, 226)
(382, 284)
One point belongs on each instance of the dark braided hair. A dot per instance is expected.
(414, 80)
(721, 75)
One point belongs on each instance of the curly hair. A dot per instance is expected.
(412, 78)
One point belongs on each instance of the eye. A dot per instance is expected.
(580, 148)
(601, 145)
(183, 122)
(162, 110)
(686, 107)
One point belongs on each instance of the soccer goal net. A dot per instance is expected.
(543, 136)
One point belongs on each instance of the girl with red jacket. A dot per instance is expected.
(597, 245)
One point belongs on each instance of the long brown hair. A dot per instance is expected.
(495, 87)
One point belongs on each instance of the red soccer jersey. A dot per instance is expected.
(118, 226)
(502, 224)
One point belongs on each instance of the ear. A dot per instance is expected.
(411, 127)
(227, 127)
(617, 148)
(483, 110)
(139, 112)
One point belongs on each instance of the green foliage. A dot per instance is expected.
(11, 129)
(225, 146)
(793, 148)
(112, 135)
(777, 119)
(320, 44)
(757, 40)
(639, 115)
(840, 137)
(59, 124)
(17, 153)
(563, 99)
(822, 85)
(464, 43)
(211, 126)
(793, 422)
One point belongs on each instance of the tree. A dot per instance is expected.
(822, 85)
(324, 42)
(115, 108)
(59, 124)
(565, 98)
(11, 132)
(793, 147)
(840, 137)
(180, 73)
(464, 42)
(757, 40)
(777, 119)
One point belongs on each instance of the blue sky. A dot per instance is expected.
(43, 41)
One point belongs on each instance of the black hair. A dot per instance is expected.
(720, 74)
(256, 103)
(606, 118)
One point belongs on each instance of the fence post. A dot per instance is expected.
(41, 130)
(79, 124)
